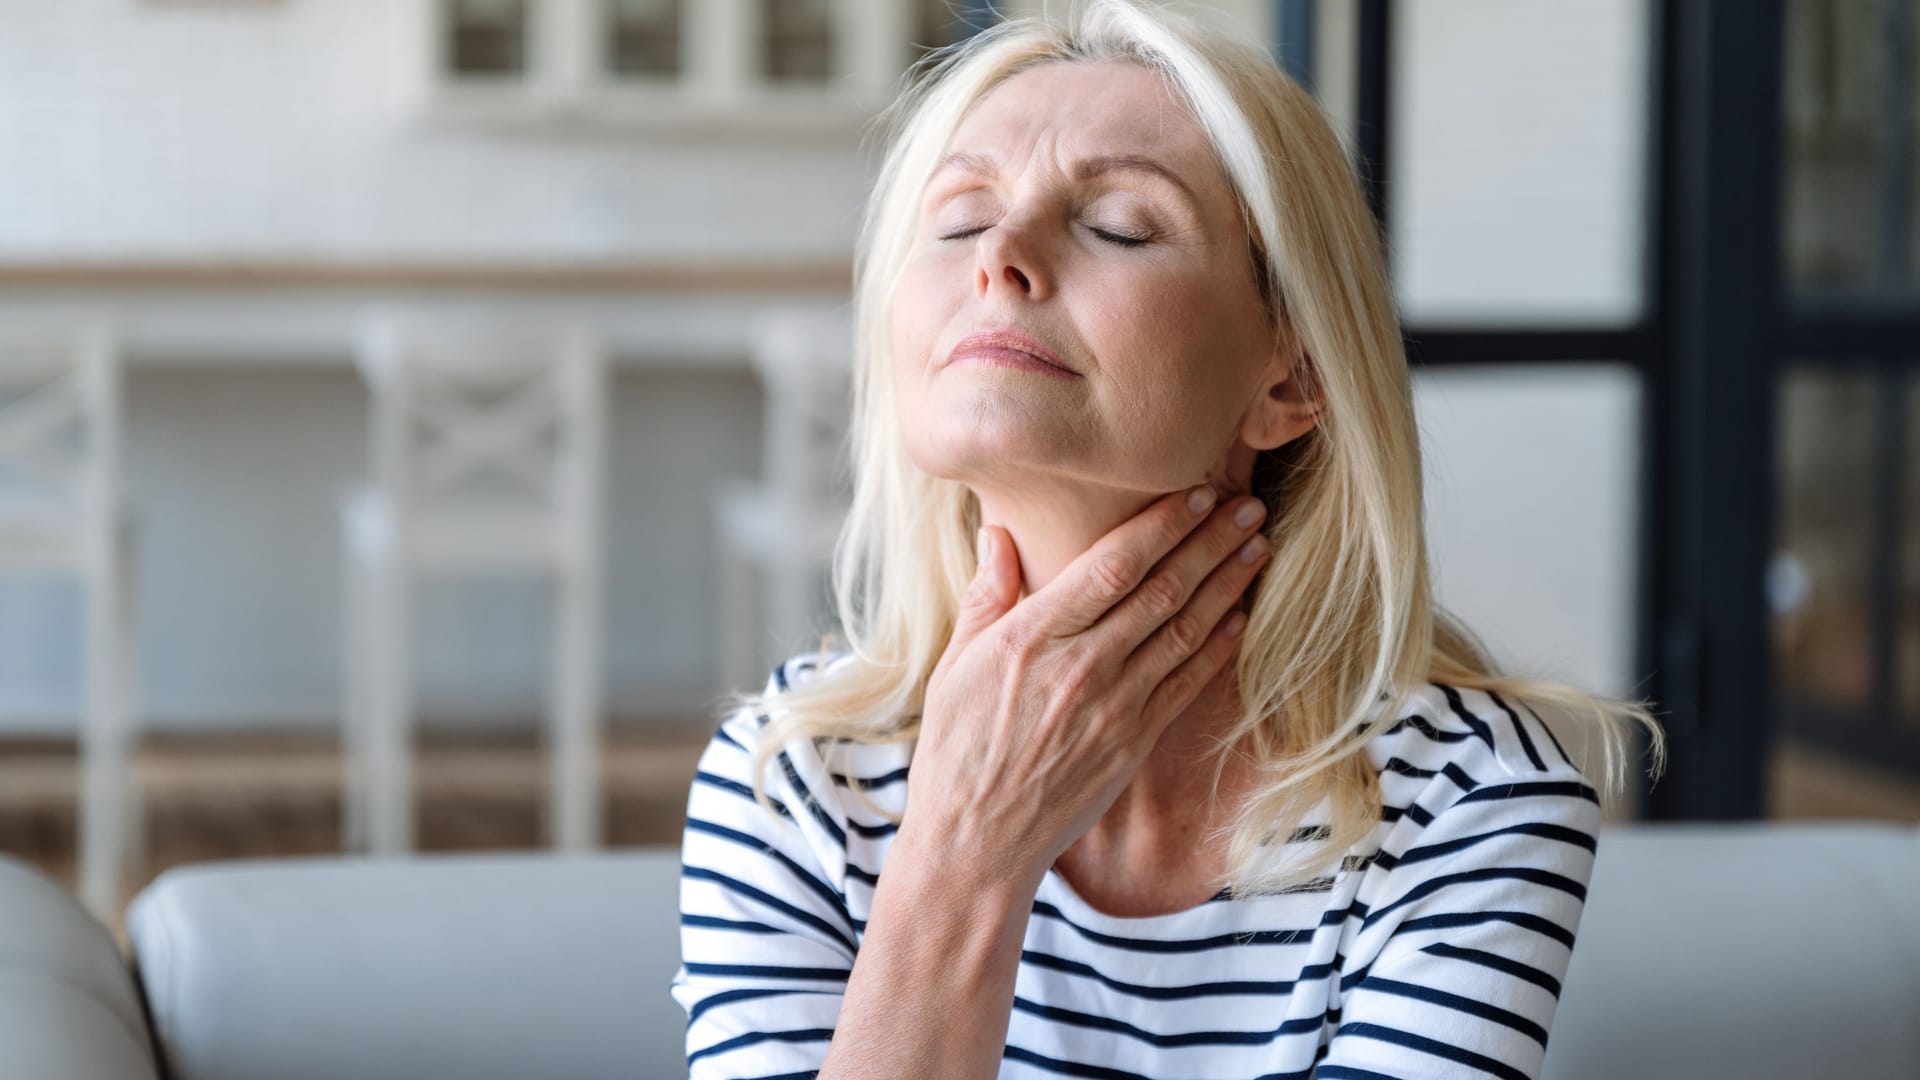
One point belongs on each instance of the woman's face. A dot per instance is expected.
(1085, 210)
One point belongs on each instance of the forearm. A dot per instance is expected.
(931, 991)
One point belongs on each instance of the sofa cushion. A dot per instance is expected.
(478, 966)
(68, 1007)
(1757, 950)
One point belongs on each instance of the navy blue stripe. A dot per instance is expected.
(1348, 1072)
(1418, 813)
(1426, 727)
(753, 1037)
(714, 922)
(1461, 779)
(1520, 729)
(1431, 851)
(1183, 1038)
(1310, 973)
(1185, 945)
(769, 971)
(1454, 920)
(1067, 1068)
(1435, 1047)
(868, 783)
(1548, 732)
(745, 994)
(1498, 963)
(812, 804)
(1480, 727)
(1575, 789)
(1494, 873)
(811, 1074)
(740, 789)
(1459, 1004)
(802, 874)
(702, 873)
(721, 734)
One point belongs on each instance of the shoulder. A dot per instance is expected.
(809, 780)
(1448, 746)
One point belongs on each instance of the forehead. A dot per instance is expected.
(1085, 107)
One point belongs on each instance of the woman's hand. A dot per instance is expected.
(1038, 714)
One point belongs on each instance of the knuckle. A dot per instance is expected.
(1077, 680)
(1161, 595)
(1111, 577)
(1185, 633)
(1179, 683)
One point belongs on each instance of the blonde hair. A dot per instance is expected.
(1342, 619)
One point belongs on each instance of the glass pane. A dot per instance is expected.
(1819, 578)
(643, 37)
(487, 37)
(797, 41)
(1518, 161)
(1850, 176)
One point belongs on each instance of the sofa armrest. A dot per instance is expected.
(479, 966)
(68, 1006)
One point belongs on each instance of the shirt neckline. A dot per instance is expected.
(1055, 889)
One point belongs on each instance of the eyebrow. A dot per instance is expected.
(1083, 169)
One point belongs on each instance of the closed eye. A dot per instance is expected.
(1114, 238)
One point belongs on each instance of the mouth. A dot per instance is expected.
(1008, 348)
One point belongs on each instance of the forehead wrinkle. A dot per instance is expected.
(1082, 169)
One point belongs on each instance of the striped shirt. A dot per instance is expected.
(1436, 951)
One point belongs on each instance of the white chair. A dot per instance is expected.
(785, 524)
(487, 443)
(64, 510)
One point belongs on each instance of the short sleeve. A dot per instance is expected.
(1474, 937)
(766, 939)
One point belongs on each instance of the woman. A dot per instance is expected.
(1144, 785)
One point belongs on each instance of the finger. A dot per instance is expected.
(1182, 686)
(1180, 637)
(1170, 588)
(1106, 573)
(995, 587)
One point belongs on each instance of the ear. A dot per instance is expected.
(1284, 409)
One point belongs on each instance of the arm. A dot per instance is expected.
(933, 990)
(1474, 939)
(769, 976)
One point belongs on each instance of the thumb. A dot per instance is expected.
(996, 584)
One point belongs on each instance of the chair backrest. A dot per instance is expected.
(485, 409)
(60, 394)
(804, 358)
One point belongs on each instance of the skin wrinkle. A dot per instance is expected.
(1182, 381)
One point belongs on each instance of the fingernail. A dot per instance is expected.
(1248, 514)
(1236, 622)
(1250, 551)
(1200, 499)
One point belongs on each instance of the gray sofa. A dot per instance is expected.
(1722, 950)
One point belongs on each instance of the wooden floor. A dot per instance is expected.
(233, 797)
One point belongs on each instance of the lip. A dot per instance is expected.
(1008, 347)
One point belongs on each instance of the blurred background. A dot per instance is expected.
(1663, 326)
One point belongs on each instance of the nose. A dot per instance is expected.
(1008, 259)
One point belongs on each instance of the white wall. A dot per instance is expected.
(300, 128)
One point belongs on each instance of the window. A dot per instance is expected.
(766, 65)
(796, 43)
(643, 38)
(487, 37)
